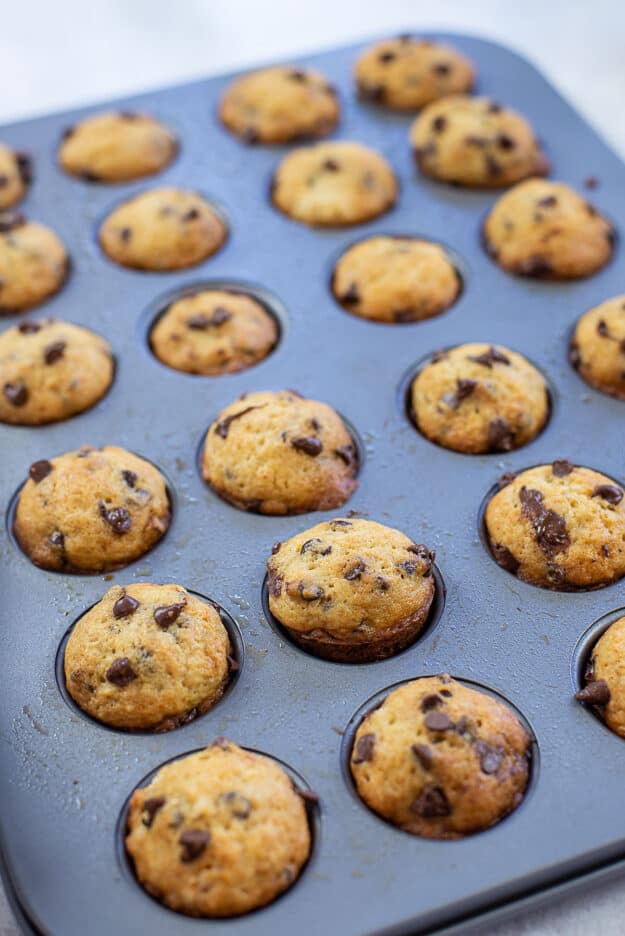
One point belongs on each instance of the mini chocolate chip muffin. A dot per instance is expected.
(604, 678)
(440, 760)
(546, 230)
(219, 832)
(407, 73)
(280, 105)
(333, 184)
(51, 370)
(15, 176)
(558, 526)
(475, 142)
(597, 349)
(147, 657)
(479, 398)
(93, 510)
(352, 591)
(396, 279)
(278, 453)
(116, 146)
(33, 263)
(162, 229)
(214, 332)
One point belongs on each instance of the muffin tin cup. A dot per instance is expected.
(65, 780)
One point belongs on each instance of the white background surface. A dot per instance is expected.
(55, 55)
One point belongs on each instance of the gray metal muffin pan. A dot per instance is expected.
(65, 779)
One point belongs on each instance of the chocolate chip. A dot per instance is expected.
(125, 234)
(40, 470)
(125, 606)
(535, 266)
(548, 201)
(4, 181)
(423, 753)
(602, 329)
(348, 454)
(202, 322)
(117, 518)
(310, 592)
(150, 807)
(505, 479)
(356, 571)
(439, 355)
(490, 758)
(275, 585)
(223, 426)
(337, 524)
(608, 492)
(549, 526)
(505, 559)
(16, 393)
(441, 68)
(54, 352)
(168, 614)
(562, 467)
(297, 75)
(351, 296)
(276, 548)
(191, 215)
(464, 389)
(364, 749)
(315, 546)
(500, 435)
(194, 843)
(29, 328)
(308, 444)
(130, 477)
(431, 803)
(120, 672)
(56, 539)
(87, 175)
(505, 142)
(430, 701)
(494, 108)
(409, 567)
(492, 166)
(10, 220)
(67, 132)
(330, 165)
(490, 357)
(605, 550)
(575, 356)
(382, 583)
(386, 57)
(439, 123)
(239, 805)
(595, 693)
(427, 555)
(438, 721)
(250, 135)
(372, 92)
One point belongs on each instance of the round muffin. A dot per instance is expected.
(219, 832)
(51, 370)
(15, 176)
(395, 279)
(604, 678)
(440, 760)
(279, 105)
(93, 510)
(475, 142)
(546, 230)
(162, 229)
(407, 73)
(33, 263)
(479, 398)
(214, 332)
(116, 146)
(597, 349)
(558, 526)
(352, 591)
(147, 657)
(333, 184)
(278, 453)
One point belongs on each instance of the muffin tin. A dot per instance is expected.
(66, 779)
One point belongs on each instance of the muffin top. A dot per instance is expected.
(92, 510)
(219, 832)
(559, 526)
(279, 105)
(604, 678)
(546, 230)
(278, 453)
(479, 398)
(147, 657)
(33, 263)
(395, 279)
(51, 370)
(15, 176)
(407, 73)
(598, 347)
(440, 760)
(334, 184)
(116, 146)
(162, 229)
(352, 583)
(213, 332)
(476, 142)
